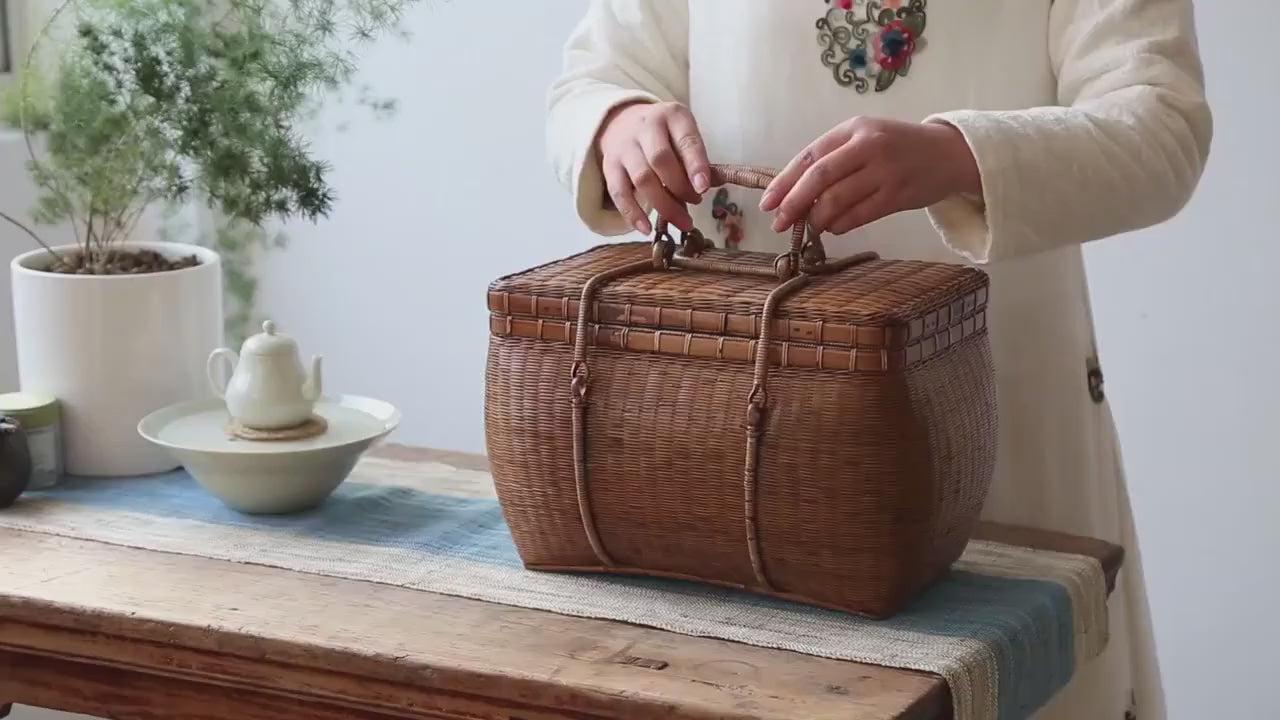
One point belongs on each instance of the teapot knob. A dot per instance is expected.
(269, 327)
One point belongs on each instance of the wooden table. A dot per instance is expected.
(138, 635)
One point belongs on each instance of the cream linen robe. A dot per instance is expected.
(1087, 119)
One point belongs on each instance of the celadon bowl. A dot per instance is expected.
(270, 477)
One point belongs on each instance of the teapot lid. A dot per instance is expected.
(269, 342)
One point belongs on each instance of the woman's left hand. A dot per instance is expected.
(865, 169)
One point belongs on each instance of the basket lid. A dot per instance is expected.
(878, 315)
(882, 292)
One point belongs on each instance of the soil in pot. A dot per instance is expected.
(119, 262)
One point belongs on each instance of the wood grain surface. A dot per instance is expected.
(139, 635)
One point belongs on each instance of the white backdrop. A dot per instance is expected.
(456, 191)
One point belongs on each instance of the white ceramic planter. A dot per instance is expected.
(114, 348)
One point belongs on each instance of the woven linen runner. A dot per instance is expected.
(1006, 629)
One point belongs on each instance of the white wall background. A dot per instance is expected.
(456, 191)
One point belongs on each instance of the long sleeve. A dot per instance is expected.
(1124, 150)
(621, 51)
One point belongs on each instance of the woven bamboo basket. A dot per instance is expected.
(814, 429)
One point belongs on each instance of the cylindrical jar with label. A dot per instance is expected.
(41, 420)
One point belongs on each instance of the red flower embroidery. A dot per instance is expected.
(728, 217)
(894, 44)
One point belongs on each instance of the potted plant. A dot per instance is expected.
(143, 104)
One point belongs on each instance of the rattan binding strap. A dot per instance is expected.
(794, 269)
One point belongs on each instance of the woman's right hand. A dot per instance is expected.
(653, 153)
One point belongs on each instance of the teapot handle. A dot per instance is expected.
(217, 357)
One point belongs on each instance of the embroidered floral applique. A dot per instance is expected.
(871, 43)
(728, 217)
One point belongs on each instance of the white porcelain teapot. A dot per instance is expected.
(268, 388)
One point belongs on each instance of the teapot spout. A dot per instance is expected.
(312, 387)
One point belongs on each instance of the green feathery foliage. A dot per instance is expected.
(157, 100)
(167, 102)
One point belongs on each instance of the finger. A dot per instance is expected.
(821, 176)
(790, 175)
(652, 191)
(872, 208)
(623, 194)
(693, 152)
(837, 200)
(662, 157)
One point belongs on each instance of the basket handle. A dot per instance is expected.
(806, 255)
(794, 269)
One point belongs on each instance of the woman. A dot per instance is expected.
(999, 132)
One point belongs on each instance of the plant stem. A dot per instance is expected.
(90, 237)
(13, 221)
(127, 225)
(23, 99)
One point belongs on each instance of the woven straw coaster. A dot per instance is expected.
(311, 428)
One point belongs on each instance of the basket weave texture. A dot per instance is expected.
(831, 441)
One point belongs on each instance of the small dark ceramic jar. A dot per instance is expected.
(15, 461)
